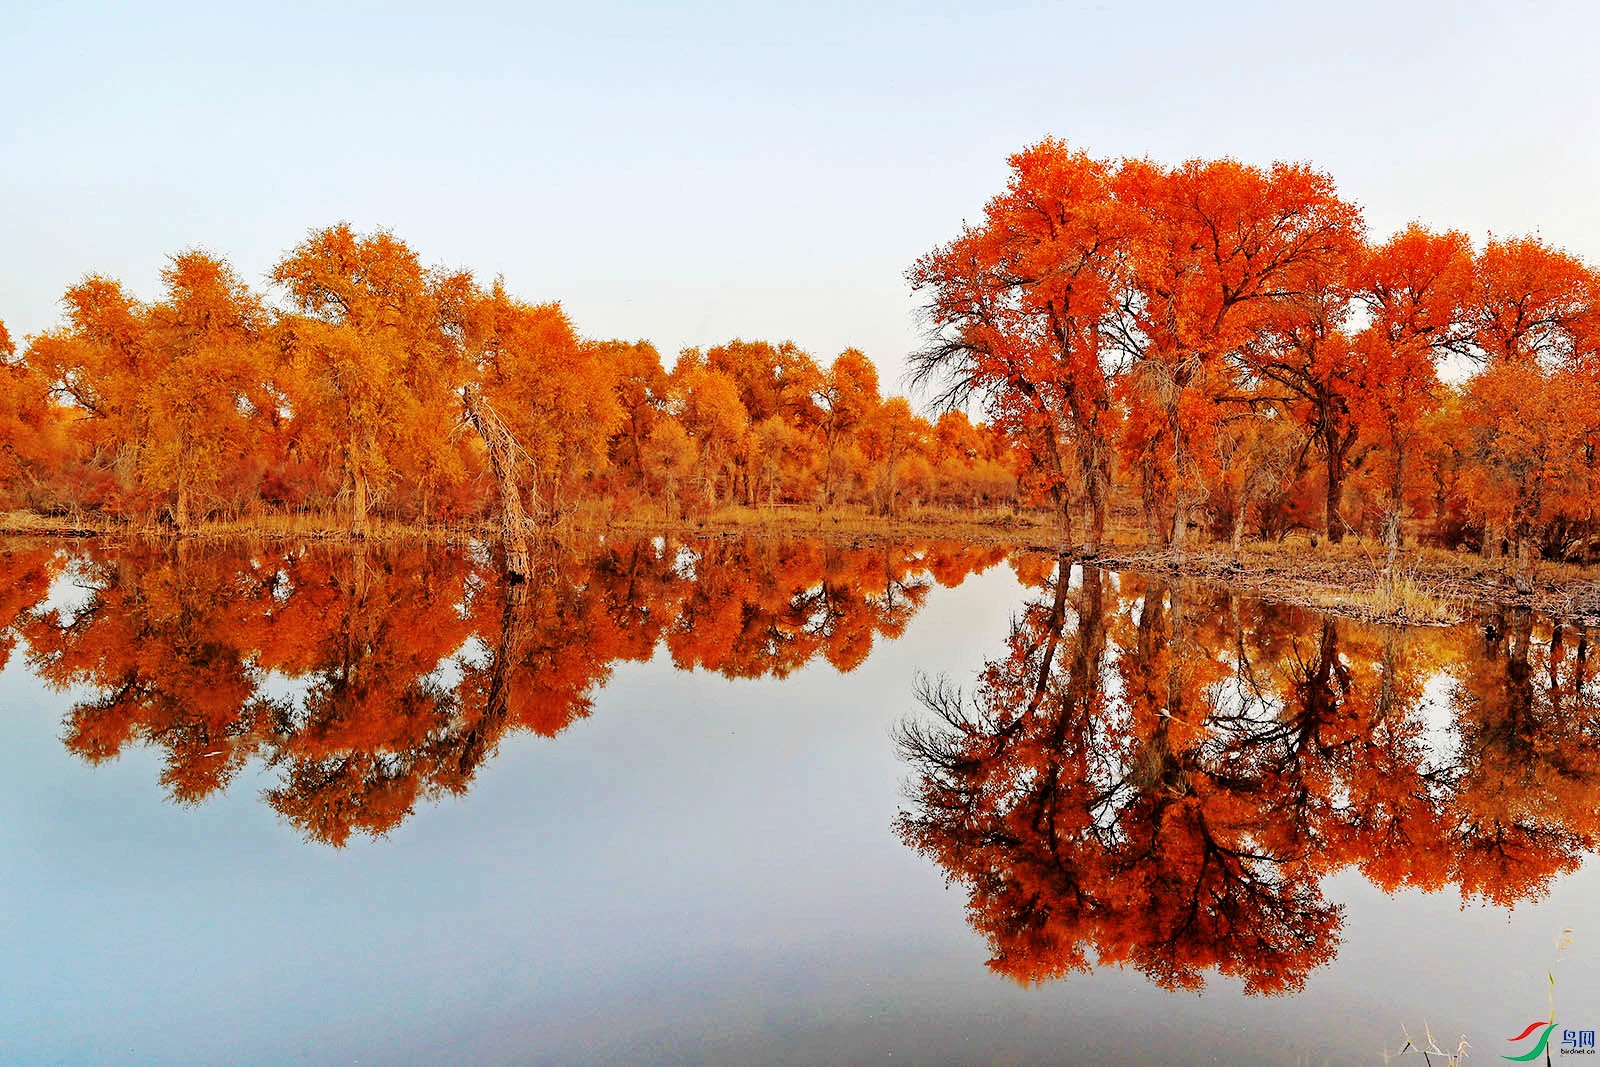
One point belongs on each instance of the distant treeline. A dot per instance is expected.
(364, 385)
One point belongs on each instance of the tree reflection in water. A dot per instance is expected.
(1161, 774)
(1156, 774)
(373, 679)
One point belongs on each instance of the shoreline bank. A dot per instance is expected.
(1428, 586)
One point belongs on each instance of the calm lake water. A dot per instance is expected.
(719, 801)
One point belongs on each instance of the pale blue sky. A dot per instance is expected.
(690, 175)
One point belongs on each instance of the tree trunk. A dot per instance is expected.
(1180, 527)
(1239, 512)
(637, 437)
(1392, 532)
(1153, 529)
(1333, 525)
(500, 445)
(1091, 529)
(1095, 479)
(1179, 646)
(358, 501)
(828, 468)
(479, 741)
(1489, 551)
(1526, 555)
(1063, 510)
(1055, 628)
(1180, 463)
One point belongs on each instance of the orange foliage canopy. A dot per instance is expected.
(1016, 314)
(378, 388)
(28, 427)
(1209, 344)
(1255, 362)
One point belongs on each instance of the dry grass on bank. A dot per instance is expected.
(795, 519)
(266, 527)
(1402, 597)
(1428, 585)
(1329, 578)
(29, 523)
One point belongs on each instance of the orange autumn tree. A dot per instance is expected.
(669, 459)
(345, 396)
(641, 394)
(1209, 340)
(371, 388)
(845, 397)
(167, 403)
(1415, 288)
(96, 365)
(776, 384)
(1217, 249)
(891, 437)
(969, 461)
(1534, 317)
(705, 402)
(780, 461)
(771, 379)
(1301, 351)
(1531, 473)
(213, 394)
(29, 428)
(557, 397)
(1534, 303)
(1254, 448)
(1015, 312)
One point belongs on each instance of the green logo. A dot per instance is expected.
(1538, 1048)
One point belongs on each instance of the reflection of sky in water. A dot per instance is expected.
(701, 870)
(1440, 734)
